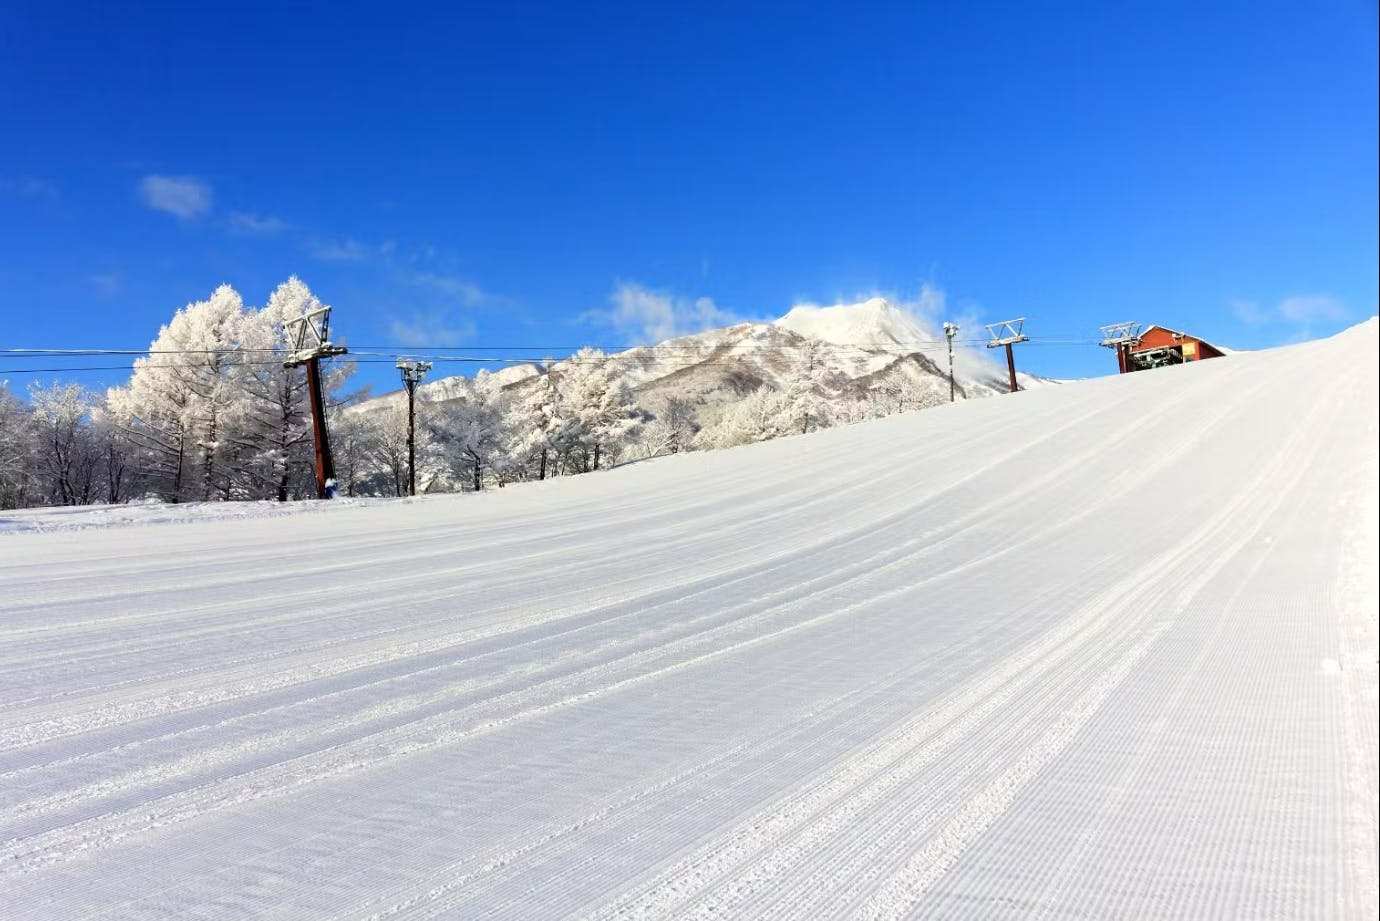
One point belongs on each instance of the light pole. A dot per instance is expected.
(951, 330)
(412, 374)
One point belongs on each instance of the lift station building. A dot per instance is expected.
(1157, 346)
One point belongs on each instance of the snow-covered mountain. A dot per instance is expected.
(863, 349)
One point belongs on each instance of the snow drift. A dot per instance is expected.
(1106, 650)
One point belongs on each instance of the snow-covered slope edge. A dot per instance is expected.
(1093, 651)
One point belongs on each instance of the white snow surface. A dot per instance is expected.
(1106, 650)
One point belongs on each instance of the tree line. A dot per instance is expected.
(211, 414)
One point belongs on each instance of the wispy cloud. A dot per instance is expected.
(258, 224)
(434, 328)
(339, 250)
(648, 316)
(1311, 308)
(462, 289)
(1300, 311)
(28, 187)
(348, 250)
(184, 196)
(108, 284)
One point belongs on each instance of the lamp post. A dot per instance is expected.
(951, 330)
(412, 374)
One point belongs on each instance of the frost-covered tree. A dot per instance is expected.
(353, 439)
(275, 434)
(670, 431)
(184, 398)
(807, 403)
(65, 451)
(212, 412)
(388, 450)
(539, 426)
(763, 414)
(471, 434)
(601, 403)
(16, 451)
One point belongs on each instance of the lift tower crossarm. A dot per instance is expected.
(311, 342)
(1007, 333)
(1122, 337)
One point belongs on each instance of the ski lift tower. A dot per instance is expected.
(311, 342)
(1008, 333)
(1122, 337)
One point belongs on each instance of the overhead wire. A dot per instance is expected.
(530, 354)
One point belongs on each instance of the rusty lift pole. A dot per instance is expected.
(1122, 337)
(310, 338)
(412, 374)
(1008, 333)
(951, 330)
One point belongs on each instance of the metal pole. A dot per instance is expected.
(411, 438)
(950, 330)
(951, 370)
(412, 374)
(325, 469)
(1011, 366)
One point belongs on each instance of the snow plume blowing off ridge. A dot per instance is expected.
(888, 325)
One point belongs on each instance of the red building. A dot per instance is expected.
(1158, 346)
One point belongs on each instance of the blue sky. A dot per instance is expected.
(494, 174)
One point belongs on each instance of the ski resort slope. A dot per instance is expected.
(1099, 651)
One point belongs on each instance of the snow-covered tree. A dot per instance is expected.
(601, 402)
(471, 435)
(670, 431)
(212, 412)
(807, 403)
(16, 451)
(763, 414)
(539, 426)
(353, 439)
(275, 435)
(64, 448)
(183, 397)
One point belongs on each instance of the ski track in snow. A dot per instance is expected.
(1105, 650)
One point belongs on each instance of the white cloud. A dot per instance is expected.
(1300, 311)
(244, 222)
(184, 196)
(348, 250)
(29, 187)
(651, 316)
(107, 284)
(464, 290)
(1249, 312)
(1311, 308)
(433, 328)
(339, 250)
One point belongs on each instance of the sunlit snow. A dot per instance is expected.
(1106, 650)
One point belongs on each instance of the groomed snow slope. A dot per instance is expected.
(1105, 651)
